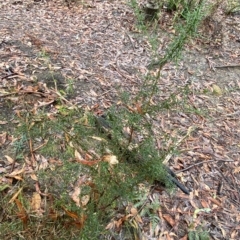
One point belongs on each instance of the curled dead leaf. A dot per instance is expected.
(36, 202)
(111, 159)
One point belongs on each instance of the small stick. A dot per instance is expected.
(199, 163)
(227, 66)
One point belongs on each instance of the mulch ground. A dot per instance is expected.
(98, 45)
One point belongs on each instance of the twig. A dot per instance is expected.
(12, 75)
(22, 92)
(130, 135)
(130, 40)
(120, 72)
(199, 163)
(228, 66)
(105, 93)
(35, 149)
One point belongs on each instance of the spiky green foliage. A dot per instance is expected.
(110, 187)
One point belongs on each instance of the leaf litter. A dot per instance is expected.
(97, 45)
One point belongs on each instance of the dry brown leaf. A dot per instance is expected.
(111, 159)
(168, 236)
(18, 178)
(55, 161)
(115, 224)
(16, 172)
(234, 234)
(139, 108)
(236, 170)
(36, 202)
(223, 232)
(3, 138)
(215, 201)
(75, 196)
(204, 203)
(169, 220)
(22, 214)
(78, 156)
(9, 159)
(43, 163)
(135, 214)
(120, 222)
(134, 211)
(157, 230)
(88, 163)
(34, 177)
(191, 198)
(98, 139)
(71, 214)
(15, 195)
(52, 214)
(78, 220)
(110, 225)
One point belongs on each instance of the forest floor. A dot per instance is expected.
(96, 49)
